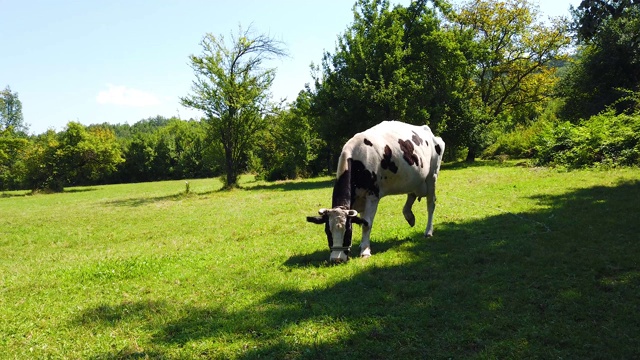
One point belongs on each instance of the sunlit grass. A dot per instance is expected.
(525, 262)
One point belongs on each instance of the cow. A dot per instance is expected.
(391, 158)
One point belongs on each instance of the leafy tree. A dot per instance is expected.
(13, 140)
(232, 90)
(592, 15)
(87, 156)
(514, 60)
(43, 166)
(12, 169)
(390, 64)
(287, 145)
(11, 112)
(75, 156)
(607, 66)
(138, 159)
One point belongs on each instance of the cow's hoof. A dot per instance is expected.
(428, 234)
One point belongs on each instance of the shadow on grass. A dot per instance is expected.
(15, 194)
(142, 201)
(496, 287)
(292, 185)
(25, 193)
(460, 165)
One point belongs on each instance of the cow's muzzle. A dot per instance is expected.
(339, 254)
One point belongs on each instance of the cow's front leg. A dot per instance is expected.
(406, 210)
(371, 206)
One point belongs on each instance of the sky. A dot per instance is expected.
(121, 61)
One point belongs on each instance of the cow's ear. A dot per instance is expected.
(316, 219)
(352, 213)
(322, 211)
(359, 220)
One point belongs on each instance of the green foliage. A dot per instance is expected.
(514, 62)
(516, 144)
(232, 90)
(389, 64)
(519, 141)
(286, 148)
(607, 67)
(45, 171)
(11, 118)
(606, 139)
(75, 156)
(13, 140)
(12, 168)
(592, 16)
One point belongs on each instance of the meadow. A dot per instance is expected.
(524, 263)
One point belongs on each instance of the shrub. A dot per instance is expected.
(604, 139)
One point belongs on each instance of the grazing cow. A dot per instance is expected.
(391, 158)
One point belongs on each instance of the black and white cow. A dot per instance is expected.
(391, 158)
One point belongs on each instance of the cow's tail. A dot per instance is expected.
(342, 187)
(439, 145)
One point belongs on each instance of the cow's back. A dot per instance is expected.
(397, 155)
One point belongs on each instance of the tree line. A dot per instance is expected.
(491, 77)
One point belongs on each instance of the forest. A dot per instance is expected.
(493, 78)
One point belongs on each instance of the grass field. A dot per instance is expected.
(524, 263)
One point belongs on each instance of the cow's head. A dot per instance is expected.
(337, 225)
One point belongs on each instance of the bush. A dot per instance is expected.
(518, 143)
(604, 139)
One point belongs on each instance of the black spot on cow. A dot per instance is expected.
(367, 142)
(416, 139)
(362, 178)
(408, 152)
(438, 149)
(387, 163)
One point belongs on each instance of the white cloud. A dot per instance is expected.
(122, 95)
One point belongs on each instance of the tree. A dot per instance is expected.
(591, 15)
(389, 64)
(286, 146)
(75, 156)
(232, 89)
(13, 140)
(607, 65)
(11, 112)
(514, 61)
(87, 156)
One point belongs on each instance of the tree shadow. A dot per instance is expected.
(15, 194)
(25, 193)
(79, 190)
(142, 201)
(137, 202)
(292, 185)
(497, 287)
(461, 165)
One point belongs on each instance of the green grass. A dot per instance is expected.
(525, 263)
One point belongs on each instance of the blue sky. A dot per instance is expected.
(96, 61)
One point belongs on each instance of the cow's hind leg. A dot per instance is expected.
(406, 210)
(431, 203)
(370, 208)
